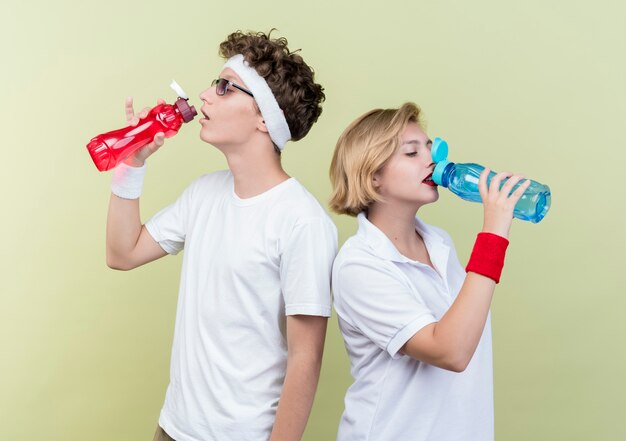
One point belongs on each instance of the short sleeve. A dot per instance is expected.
(169, 226)
(373, 297)
(305, 267)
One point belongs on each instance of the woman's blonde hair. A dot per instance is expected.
(362, 150)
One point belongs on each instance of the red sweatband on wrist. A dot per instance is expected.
(487, 257)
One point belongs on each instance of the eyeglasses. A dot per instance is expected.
(222, 85)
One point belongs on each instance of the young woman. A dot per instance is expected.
(255, 285)
(415, 324)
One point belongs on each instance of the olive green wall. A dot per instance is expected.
(533, 86)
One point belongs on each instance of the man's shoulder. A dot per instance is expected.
(297, 202)
(216, 178)
(213, 183)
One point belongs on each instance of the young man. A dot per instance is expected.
(255, 285)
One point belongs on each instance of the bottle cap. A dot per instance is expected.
(179, 90)
(439, 169)
(186, 111)
(439, 151)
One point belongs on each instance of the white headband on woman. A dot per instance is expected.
(272, 114)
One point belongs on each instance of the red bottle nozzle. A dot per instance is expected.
(186, 111)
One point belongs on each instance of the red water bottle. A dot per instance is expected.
(109, 149)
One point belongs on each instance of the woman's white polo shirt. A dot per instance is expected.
(382, 299)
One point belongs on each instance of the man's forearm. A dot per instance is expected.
(296, 399)
(123, 228)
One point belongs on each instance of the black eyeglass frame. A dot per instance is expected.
(228, 84)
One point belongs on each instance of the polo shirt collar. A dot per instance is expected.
(385, 249)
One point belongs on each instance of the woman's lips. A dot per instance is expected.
(429, 181)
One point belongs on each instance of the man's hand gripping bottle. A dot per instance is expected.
(109, 149)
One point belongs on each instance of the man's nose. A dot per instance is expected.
(206, 95)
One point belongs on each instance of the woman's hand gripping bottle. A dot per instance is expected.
(462, 180)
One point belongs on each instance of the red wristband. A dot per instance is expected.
(487, 257)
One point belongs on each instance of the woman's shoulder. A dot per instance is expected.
(434, 231)
(356, 252)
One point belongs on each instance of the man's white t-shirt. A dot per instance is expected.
(382, 299)
(247, 264)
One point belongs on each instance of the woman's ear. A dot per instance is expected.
(376, 179)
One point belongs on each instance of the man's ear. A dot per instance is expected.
(261, 125)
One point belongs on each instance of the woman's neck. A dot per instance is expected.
(397, 222)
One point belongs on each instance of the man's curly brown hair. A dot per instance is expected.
(287, 75)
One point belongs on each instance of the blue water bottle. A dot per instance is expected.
(462, 180)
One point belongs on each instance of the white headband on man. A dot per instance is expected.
(272, 114)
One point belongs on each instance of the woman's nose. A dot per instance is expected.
(428, 158)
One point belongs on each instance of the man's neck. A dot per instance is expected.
(255, 168)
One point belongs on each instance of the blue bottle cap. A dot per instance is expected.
(439, 150)
(438, 172)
